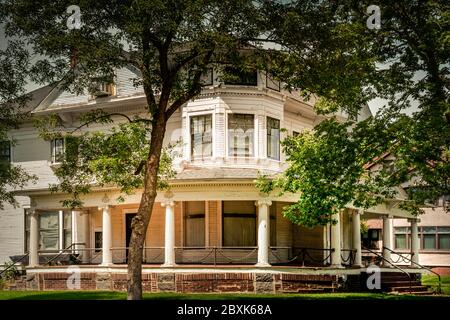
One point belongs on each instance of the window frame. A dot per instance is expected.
(269, 136)
(254, 136)
(253, 215)
(189, 119)
(53, 155)
(5, 158)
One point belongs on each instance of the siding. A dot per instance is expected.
(12, 230)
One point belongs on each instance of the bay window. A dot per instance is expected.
(241, 135)
(201, 136)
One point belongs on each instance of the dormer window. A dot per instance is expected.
(5, 151)
(241, 128)
(104, 90)
(236, 76)
(57, 150)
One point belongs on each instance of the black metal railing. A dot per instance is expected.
(351, 256)
(69, 250)
(406, 259)
(392, 264)
(13, 264)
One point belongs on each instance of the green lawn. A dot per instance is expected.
(113, 295)
(432, 280)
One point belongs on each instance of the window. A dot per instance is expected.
(428, 238)
(431, 238)
(236, 76)
(194, 224)
(98, 242)
(273, 138)
(104, 89)
(444, 238)
(239, 223)
(207, 77)
(67, 230)
(5, 151)
(240, 135)
(57, 146)
(273, 224)
(201, 136)
(402, 238)
(49, 227)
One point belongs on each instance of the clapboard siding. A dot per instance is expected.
(12, 230)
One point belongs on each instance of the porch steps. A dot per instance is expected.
(399, 283)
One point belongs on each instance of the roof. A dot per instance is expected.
(197, 173)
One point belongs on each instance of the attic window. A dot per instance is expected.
(104, 90)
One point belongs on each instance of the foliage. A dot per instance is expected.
(404, 62)
(103, 158)
(14, 64)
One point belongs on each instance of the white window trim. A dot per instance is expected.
(189, 115)
(255, 133)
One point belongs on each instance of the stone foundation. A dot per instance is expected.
(242, 282)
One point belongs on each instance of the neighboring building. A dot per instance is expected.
(433, 233)
(212, 215)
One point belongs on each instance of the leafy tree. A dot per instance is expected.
(171, 43)
(405, 61)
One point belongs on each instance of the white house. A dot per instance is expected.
(213, 216)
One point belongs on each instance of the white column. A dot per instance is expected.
(263, 232)
(34, 239)
(357, 237)
(169, 234)
(336, 260)
(85, 256)
(106, 236)
(387, 239)
(414, 241)
(61, 230)
(75, 236)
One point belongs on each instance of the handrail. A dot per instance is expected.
(392, 264)
(417, 264)
(14, 263)
(63, 251)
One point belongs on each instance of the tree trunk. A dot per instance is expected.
(141, 220)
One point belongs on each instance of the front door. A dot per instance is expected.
(128, 219)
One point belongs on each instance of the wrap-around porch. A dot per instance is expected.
(195, 228)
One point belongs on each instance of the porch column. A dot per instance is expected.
(387, 242)
(85, 256)
(169, 234)
(34, 239)
(263, 232)
(357, 236)
(336, 260)
(106, 236)
(414, 241)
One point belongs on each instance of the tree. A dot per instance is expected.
(13, 102)
(171, 43)
(405, 61)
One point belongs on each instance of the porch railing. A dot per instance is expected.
(212, 255)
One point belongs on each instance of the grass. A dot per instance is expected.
(432, 280)
(115, 295)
